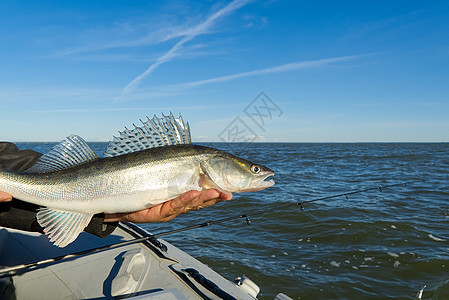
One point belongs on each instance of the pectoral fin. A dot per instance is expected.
(210, 179)
(62, 227)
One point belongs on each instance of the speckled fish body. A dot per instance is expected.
(123, 183)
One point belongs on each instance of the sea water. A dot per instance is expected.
(371, 245)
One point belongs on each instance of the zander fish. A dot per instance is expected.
(142, 167)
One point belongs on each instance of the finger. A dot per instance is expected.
(225, 196)
(207, 198)
(211, 202)
(5, 197)
(192, 200)
(173, 208)
(204, 205)
(179, 204)
(208, 194)
(117, 217)
(214, 193)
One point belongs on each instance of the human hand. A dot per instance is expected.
(164, 212)
(5, 197)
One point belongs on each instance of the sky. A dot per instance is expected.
(238, 71)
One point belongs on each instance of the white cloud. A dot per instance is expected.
(125, 35)
(190, 34)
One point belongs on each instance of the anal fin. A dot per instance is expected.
(62, 227)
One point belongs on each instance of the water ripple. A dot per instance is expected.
(373, 245)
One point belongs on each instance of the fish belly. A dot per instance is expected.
(126, 190)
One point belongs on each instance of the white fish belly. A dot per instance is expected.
(123, 191)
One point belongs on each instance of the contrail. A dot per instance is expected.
(292, 66)
(277, 69)
(195, 31)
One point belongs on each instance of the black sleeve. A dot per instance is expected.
(22, 215)
(13, 159)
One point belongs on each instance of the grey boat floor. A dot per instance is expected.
(148, 270)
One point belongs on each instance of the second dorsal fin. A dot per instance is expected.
(155, 132)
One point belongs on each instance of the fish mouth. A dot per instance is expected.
(261, 183)
(268, 180)
(264, 183)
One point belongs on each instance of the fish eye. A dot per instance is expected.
(255, 169)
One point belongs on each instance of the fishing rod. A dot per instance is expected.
(153, 236)
(117, 245)
(379, 188)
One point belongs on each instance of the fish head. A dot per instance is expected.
(236, 175)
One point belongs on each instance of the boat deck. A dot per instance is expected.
(148, 270)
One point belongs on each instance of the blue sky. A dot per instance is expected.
(331, 71)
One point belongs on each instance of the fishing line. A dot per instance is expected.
(209, 223)
(117, 245)
(379, 188)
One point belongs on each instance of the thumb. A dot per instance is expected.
(5, 196)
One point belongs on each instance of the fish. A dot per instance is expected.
(141, 168)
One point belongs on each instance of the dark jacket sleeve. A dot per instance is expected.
(22, 215)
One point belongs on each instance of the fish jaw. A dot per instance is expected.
(264, 182)
(267, 182)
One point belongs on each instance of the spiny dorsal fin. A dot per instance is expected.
(155, 132)
(69, 152)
